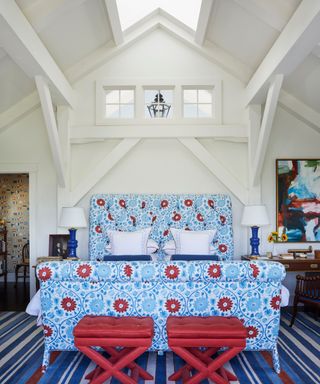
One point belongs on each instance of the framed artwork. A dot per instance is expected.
(298, 199)
(58, 245)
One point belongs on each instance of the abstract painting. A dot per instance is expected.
(298, 199)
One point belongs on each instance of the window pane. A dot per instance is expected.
(127, 96)
(190, 96)
(112, 96)
(205, 110)
(205, 96)
(149, 95)
(190, 110)
(167, 95)
(112, 111)
(127, 111)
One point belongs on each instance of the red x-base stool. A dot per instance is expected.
(123, 338)
(197, 339)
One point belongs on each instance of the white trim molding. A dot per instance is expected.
(216, 168)
(177, 85)
(32, 170)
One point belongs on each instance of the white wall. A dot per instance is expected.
(153, 166)
(24, 146)
(161, 165)
(290, 138)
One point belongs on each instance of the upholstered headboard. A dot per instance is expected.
(130, 212)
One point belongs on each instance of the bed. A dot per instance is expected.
(250, 291)
(129, 212)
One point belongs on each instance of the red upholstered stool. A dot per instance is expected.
(132, 334)
(186, 336)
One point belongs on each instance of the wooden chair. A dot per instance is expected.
(24, 264)
(307, 292)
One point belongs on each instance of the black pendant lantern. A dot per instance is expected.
(159, 108)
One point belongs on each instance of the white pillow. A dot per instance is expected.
(129, 243)
(193, 242)
(169, 248)
(152, 246)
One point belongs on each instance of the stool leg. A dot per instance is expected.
(133, 366)
(194, 362)
(116, 368)
(109, 367)
(207, 359)
(220, 360)
(206, 366)
(207, 353)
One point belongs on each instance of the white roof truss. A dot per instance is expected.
(266, 127)
(227, 132)
(18, 110)
(23, 45)
(52, 130)
(300, 110)
(160, 19)
(114, 20)
(273, 14)
(295, 42)
(101, 169)
(204, 19)
(215, 167)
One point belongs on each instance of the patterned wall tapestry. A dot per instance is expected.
(14, 209)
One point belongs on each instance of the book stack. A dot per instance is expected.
(286, 256)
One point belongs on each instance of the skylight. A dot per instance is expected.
(186, 11)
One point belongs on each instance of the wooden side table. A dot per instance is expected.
(310, 264)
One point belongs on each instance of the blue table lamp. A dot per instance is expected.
(255, 216)
(72, 218)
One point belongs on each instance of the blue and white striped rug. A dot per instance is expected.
(21, 347)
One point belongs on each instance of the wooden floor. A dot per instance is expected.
(14, 298)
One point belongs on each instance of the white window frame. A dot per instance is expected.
(120, 103)
(197, 103)
(159, 88)
(140, 84)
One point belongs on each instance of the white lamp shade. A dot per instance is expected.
(73, 217)
(255, 216)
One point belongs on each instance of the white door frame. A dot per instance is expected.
(32, 170)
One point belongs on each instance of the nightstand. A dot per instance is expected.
(309, 264)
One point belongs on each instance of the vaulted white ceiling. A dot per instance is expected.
(242, 30)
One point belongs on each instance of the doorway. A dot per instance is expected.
(14, 220)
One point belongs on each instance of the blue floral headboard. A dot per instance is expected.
(130, 212)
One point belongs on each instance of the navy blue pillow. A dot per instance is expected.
(194, 257)
(127, 258)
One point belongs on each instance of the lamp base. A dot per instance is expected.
(255, 241)
(72, 244)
